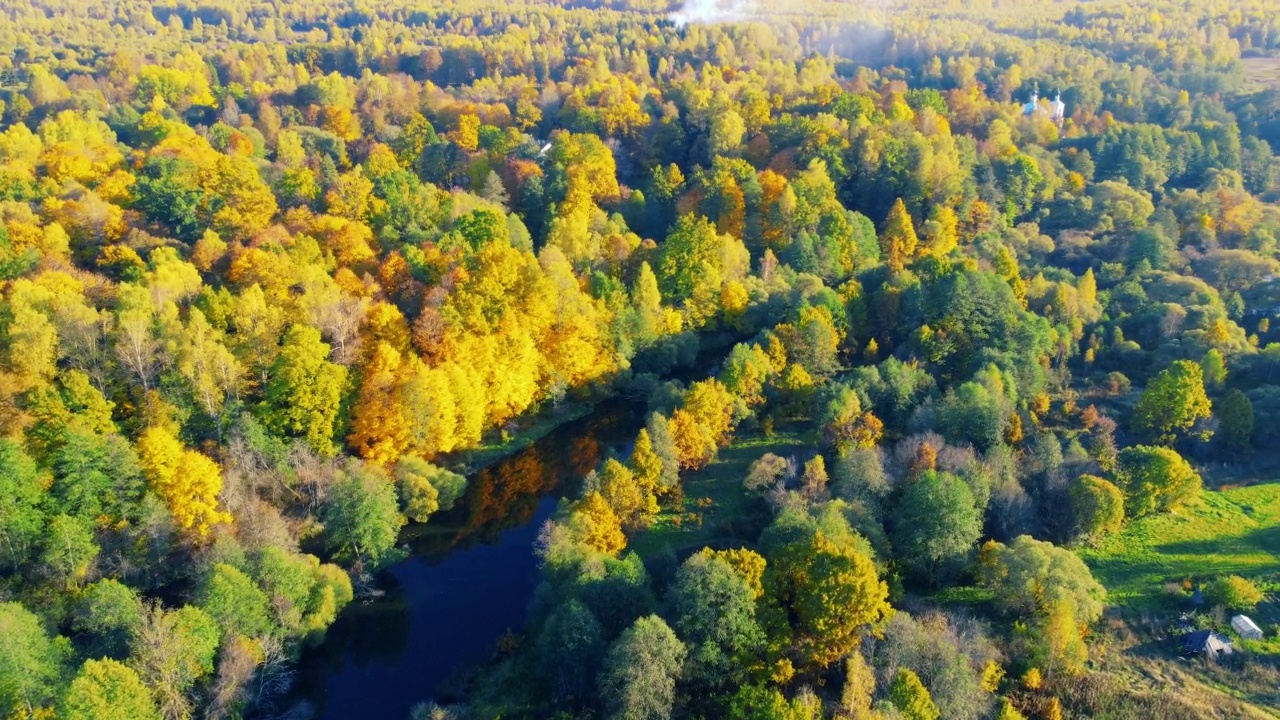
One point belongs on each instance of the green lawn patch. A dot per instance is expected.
(714, 499)
(1230, 532)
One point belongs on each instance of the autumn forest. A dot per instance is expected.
(944, 328)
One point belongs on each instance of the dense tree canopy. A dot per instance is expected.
(276, 277)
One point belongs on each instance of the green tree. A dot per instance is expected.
(168, 191)
(822, 587)
(640, 671)
(973, 413)
(362, 516)
(1021, 180)
(30, 662)
(107, 690)
(1214, 369)
(691, 261)
(418, 497)
(935, 525)
(97, 476)
(21, 520)
(911, 697)
(430, 481)
(304, 595)
(1031, 577)
(481, 227)
(69, 550)
(570, 648)
(757, 702)
(1173, 402)
(1156, 479)
(1235, 421)
(305, 390)
(235, 602)
(714, 610)
(646, 300)
(1153, 246)
(1098, 506)
(107, 614)
(171, 651)
(664, 447)
(416, 134)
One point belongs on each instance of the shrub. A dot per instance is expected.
(1235, 592)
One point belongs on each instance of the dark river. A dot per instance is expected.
(468, 581)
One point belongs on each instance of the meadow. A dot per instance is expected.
(1228, 532)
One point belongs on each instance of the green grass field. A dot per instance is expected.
(1261, 73)
(1235, 531)
(714, 499)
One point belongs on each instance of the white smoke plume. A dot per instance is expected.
(714, 11)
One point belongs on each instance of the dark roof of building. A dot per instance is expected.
(1208, 642)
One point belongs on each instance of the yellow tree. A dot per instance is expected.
(1173, 403)
(258, 325)
(831, 593)
(941, 231)
(30, 336)
(593, 523)
(733, 301)
(385, 323)
(379, 430)
(429, 407)
(711, 405)
(898, 240)
(467, 136)
(618, 486)
(695, 445)
(470, 401)
(185, 480)
(646, 466)
(777, 204)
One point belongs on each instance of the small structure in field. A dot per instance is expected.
(1246, 628)
(1207, 643)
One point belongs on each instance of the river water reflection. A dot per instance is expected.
(469, 578)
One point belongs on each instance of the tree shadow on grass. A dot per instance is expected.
(1262, 540)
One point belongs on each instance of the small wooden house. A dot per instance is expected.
(1206, 643)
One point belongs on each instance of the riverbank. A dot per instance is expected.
(468, 577)
(675, 360)
(471, 571)
(543, 424)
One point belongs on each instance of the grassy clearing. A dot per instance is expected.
(1261, 73)
(1235, 531)
(715, 504)
(1231, 531)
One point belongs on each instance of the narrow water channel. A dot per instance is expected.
(469, 578)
